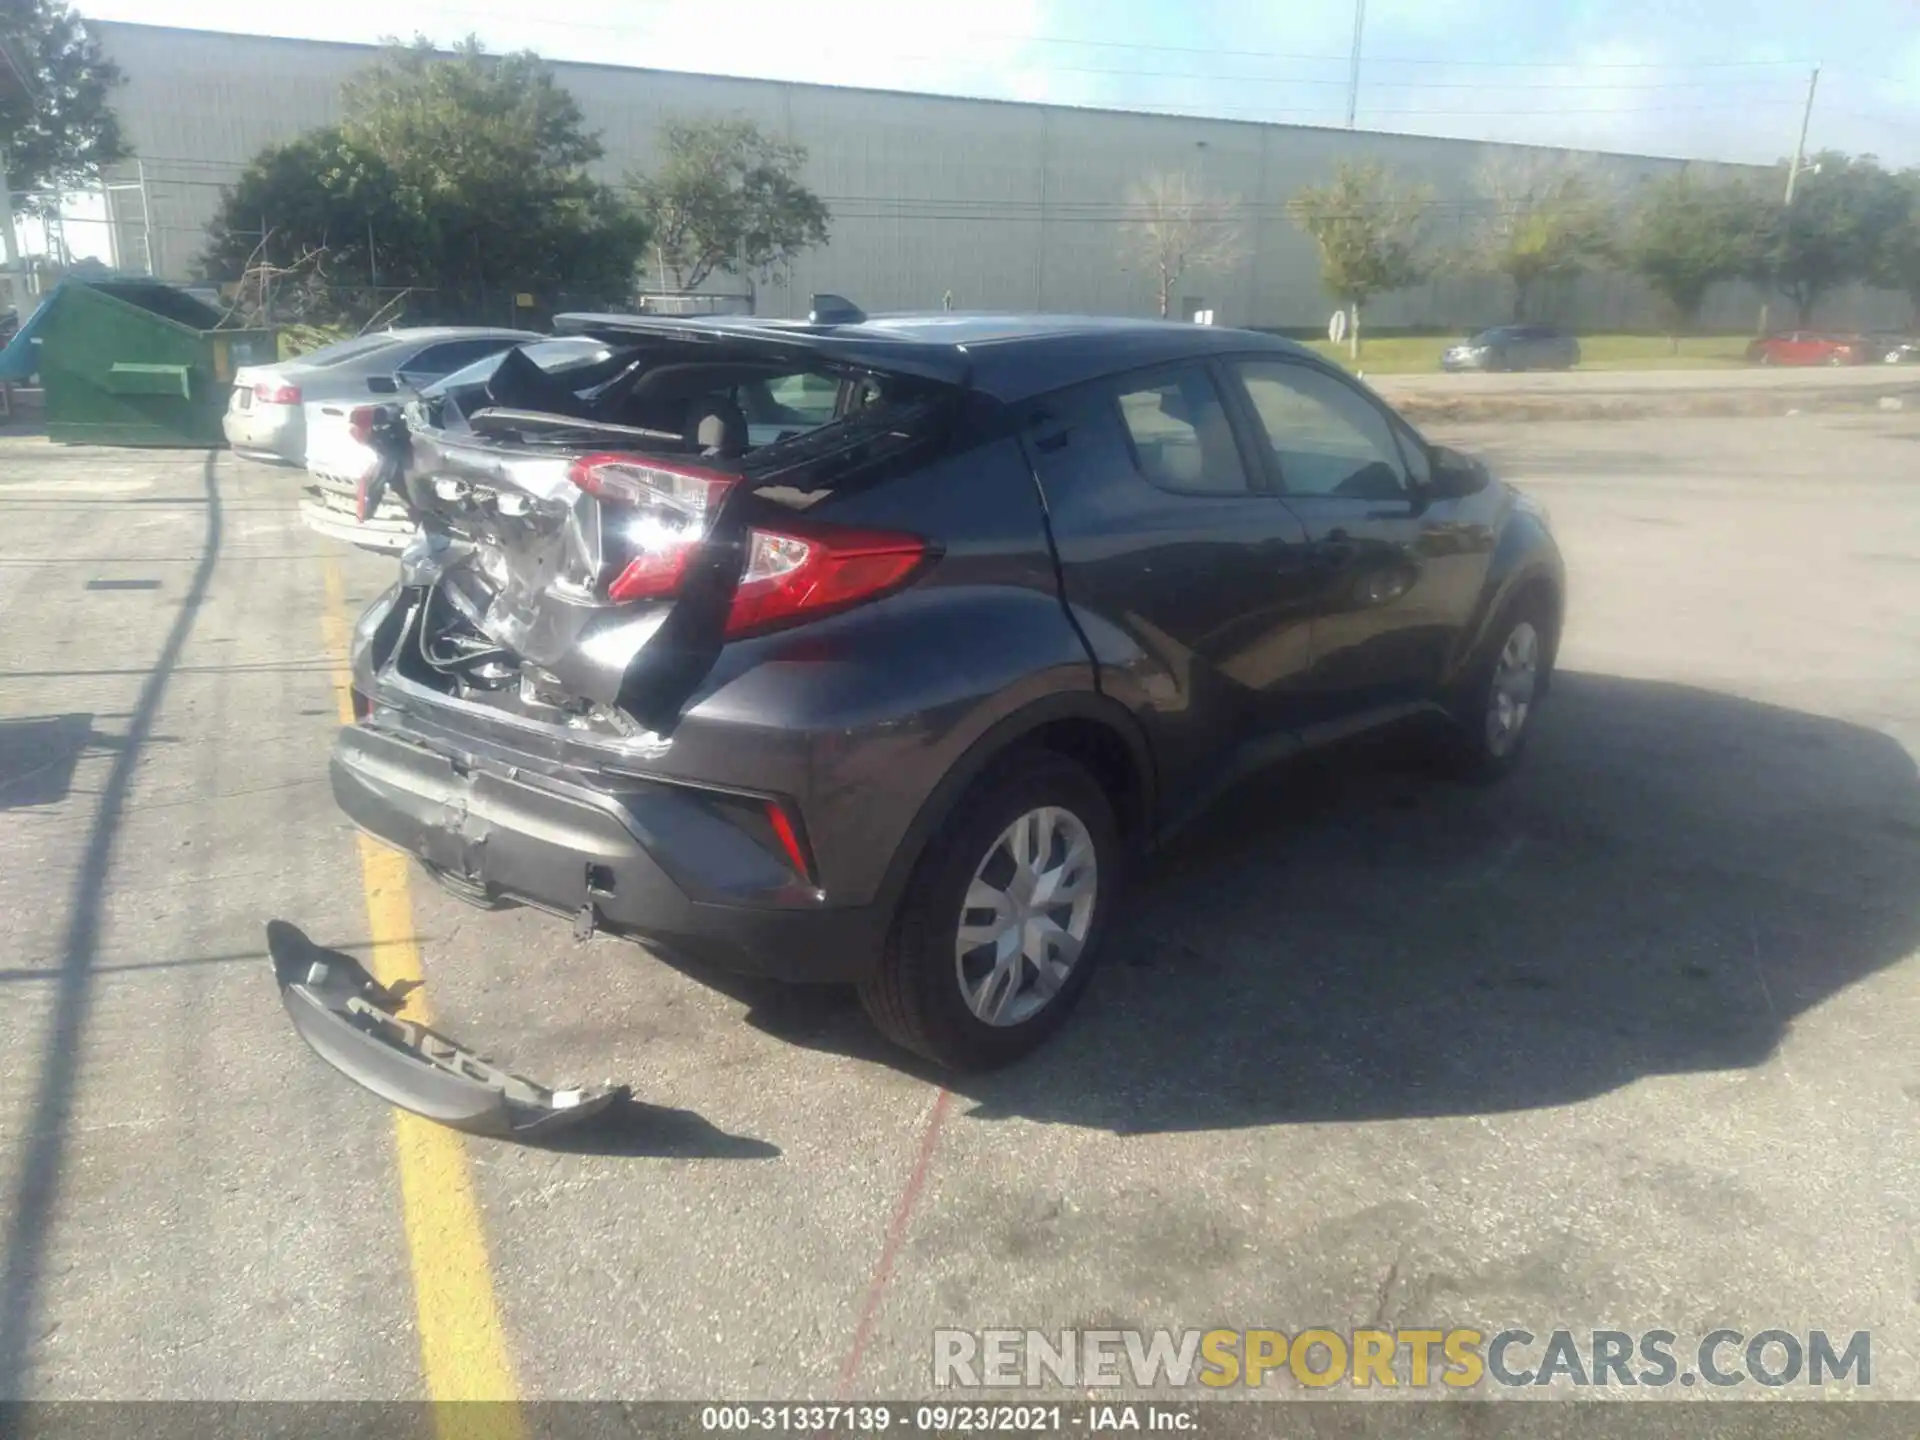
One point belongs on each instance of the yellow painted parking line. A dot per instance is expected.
(463, 1347)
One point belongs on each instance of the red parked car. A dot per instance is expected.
(1805, 347)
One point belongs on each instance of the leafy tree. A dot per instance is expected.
(1543, 220)
(1687, 235)
(727, 199)
(56, 127)
(1367, 226)
(1844, 210)
(1174, 228)
(316, 193)
(1896, 261)
(460, 175)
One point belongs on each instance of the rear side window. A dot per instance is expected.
(802, 401)
(343, 350)
(1327, 439)
(1179, 433)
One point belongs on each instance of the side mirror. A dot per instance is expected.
(383, 384)
(1455, 474)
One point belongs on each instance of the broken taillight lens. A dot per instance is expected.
(661, 512)
(274, 394)
(656, 513)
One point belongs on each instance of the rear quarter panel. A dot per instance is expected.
(861, 716)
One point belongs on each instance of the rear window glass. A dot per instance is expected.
(341, 350)
(553, 356)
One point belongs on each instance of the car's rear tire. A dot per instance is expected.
(974, 986)
(1494, 708)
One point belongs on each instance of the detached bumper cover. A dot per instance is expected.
(352, 1021)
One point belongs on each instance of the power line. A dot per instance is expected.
(1255, 79)
(640, 33)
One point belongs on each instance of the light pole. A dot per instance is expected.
(1353, 68)
(1793, 178)
(13, 76)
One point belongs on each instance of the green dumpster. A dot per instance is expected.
(135, 362)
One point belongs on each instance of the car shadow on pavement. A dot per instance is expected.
(1672, 877)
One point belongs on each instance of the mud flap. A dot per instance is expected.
(352, 1021)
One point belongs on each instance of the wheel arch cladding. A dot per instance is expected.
(1084, 727)
(1526, 563)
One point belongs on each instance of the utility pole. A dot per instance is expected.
(14, 292)
(1800, 149)
(1353, 69)
(13, 288)
(1793, 177)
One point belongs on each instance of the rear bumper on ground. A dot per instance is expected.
(652, 864)
(354, 1023)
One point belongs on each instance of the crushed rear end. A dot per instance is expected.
(582, 553)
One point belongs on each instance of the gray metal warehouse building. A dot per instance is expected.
(1005, 205)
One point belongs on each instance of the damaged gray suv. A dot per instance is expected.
(872, 650)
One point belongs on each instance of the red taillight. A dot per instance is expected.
(790, 576)
(277, 394)
(658, 513)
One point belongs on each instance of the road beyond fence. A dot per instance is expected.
(1644, 394)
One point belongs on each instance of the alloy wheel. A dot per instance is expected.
(1510, 698)
(1026, 916)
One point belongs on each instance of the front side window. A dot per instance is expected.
(1180, 435)
(1327, 438)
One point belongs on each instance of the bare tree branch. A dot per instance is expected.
(1175, 228)
(373, 322)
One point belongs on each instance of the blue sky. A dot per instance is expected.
(1715, 78)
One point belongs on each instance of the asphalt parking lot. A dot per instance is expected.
(1627, 1042)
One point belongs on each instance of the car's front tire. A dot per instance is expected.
(1001, 923)
(1495, 707)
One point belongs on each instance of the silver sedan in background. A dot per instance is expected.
(274, 409)
(337, 460)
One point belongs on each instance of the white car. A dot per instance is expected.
(274, 409)
(337, 461)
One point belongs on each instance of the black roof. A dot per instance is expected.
(1010, 357)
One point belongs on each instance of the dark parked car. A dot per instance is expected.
(872, 651)
(1892, 347)
(1514, 347)
(1806, 347)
